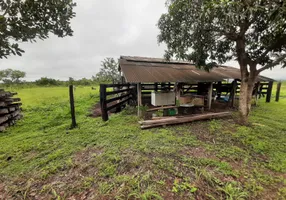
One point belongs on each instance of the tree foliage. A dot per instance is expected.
(9, 76)
(211, 32)
(27, 20)
(45, 81)
(207, 31)
(108, 71)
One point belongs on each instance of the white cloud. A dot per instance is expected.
(102, 28)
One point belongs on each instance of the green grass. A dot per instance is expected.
(117, 160)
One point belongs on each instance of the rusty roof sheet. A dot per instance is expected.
(146, 70)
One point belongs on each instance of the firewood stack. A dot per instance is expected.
(10, 110)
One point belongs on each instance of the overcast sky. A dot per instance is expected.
(102, 28)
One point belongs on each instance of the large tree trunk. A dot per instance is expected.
(248, 79)
(246, 90)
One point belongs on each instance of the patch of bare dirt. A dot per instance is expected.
(68, 184)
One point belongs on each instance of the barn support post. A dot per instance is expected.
(128, 87)
(210, 94)
(232, 93)
(103, 106)
(73, 125)
(139, 99)
(256, 92)
(178, 90)
(269, 92)
(156, 87)
(218, 89)
(278, 91)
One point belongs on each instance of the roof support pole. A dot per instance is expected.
(256, 91)
(232, 94)
(210, 95)
(278, 91)
(139, 99)
(269, 91)
(178, 90)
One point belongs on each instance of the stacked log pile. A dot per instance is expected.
(10, 110)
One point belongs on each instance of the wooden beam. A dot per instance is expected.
(139, 99)
(210, 94)
(269, 92)
(278, 91)
(180, 120)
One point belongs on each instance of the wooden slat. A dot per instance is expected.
(4, 111)
(161, 108)
(119, 104)
(179, 120)
(4, 119)
(117, 98)
(118, 91)
(117, 85)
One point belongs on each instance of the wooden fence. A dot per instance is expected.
(114, 97)
(10, 110)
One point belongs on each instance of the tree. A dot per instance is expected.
(211, 32)
(11, 76)
(45, 81)
(109, 71)
(22, 21)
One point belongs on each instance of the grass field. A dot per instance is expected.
(41, 158)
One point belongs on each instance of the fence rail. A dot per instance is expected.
(125, 93)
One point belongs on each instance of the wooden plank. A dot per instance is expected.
(139, 99)
(156, 123)
(117, 85)
(4, 111)
(12, 99)
(118, 91)
(162, 122)
(15, 113)
(269, 92)
(4, 118)
(119, 104)
(117, 98)
(278, 92)
(161, 108)
(210, 95)
(3, 127)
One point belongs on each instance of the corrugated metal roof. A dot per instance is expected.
(146, 70)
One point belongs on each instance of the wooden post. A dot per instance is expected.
(103, 106)
(139, 98)
(278, 91)
(156, 87)
(128, 102)
(73, 125)
(218, 90)
(210, 95)
(178, 90)
(269, 92)
(256, 92)
(232, 93)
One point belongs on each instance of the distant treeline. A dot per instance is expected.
(46, 82)
(108, 74)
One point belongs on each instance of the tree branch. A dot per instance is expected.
(276, 62)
